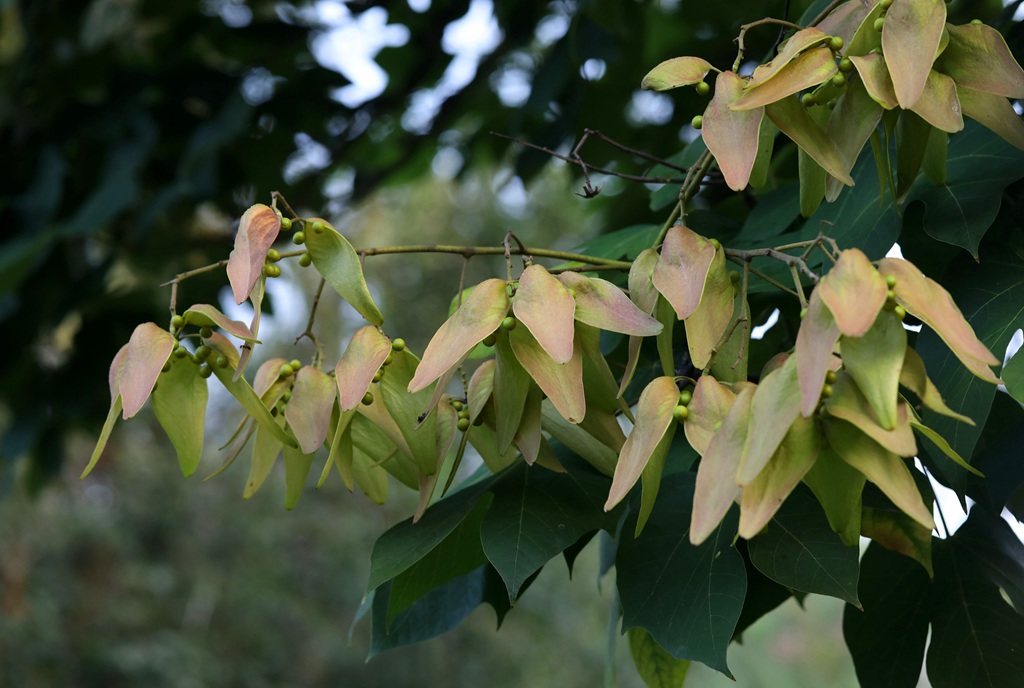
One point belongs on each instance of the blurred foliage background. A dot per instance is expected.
(134, 133)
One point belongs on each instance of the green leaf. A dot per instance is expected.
(511, 385)
(101, 442)
(979, 167)
(253, 405)
(1013, 376)
(563, 383)
(897, 532)
(406, 543)
(807, 70)
(265, 450)
(679, 71)
(582, 443)
(887, 638)
(838, 487)
(622, 244)
(975, 632)
(875, 361)
(801, 551)
(656, 667)
(650, 479)
(978, 58)
(774, 407)
(791, 117)
(538, 513)
(688, 597)
(338, 263)
(296, 472)
(420, 432)
(179, 403)
(460, 553)
(910, 39)
(205, 315)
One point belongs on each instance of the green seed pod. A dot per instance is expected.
(273, 255)
(305, 260)
(846, 65)
(685, 397)
(379, 375)
(803, 312)
(388, 360)
(205, 332)
(839, 80)
(367, 399)
(203, 352)
(808, 100)
(697, 122)
(734, 277)
(830, 377)
(890, 281)
(286, 224)
(879, 23)
(457, 405)
(299, 238)
(180, 352)
(463, 424)
(318, 227)
(702, 88)
(463, 413)
(166, 368)
(885, 4)
(398, 345)
(836, 43)
(268, 269)
(509, 324)
(177, 322)
(287, 396)
(826, 391)
(680, 413)
(296, 364)
(205, 371)
(490, 340)
(286, 370)
(900, 312)
(221, 362)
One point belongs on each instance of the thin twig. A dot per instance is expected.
(747, 27)
(308, 332)
(828, 10)
(277, 196)
(633, 151)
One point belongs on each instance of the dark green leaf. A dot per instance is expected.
(656, 667)
(621, 244)
(801, 551)
(1013, 376)
(887, 638)
(689, 598)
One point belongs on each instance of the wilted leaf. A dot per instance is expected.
(309, 410)
(926, 299)
(763, 496)
(809, 69)
(883, 468)
(716, 488)
(849, 404)
(874, 76)
(682, 269)
(179, 403)
(838, 487)
(546, 307)
(815, 340)
(708, 323)
(776, 404)
(993, 112)
(910, 39)
(874, 361)
(653, 418)
(256, 234)
(338, 263)
(791, 117)
(679, 71)
(978, 58)
(148, 349)
(708, 407)
(601, 304)
(480, 314)
(732, 137)
(938, 104)
(562, 382)
(203, 314)
(854, 292)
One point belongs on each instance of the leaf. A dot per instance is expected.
(265, 450)
(417, 427)
(812, 183)
(883, 468)
(854, 292)
(838, 487)
(939, 105)
(656, 667)
(682, 269)
(528, 437)
(363, 357)
(794, 48)
(978, 58)
(511, 384)
(203, 314)
(854, 119)
(546, 307)
(912, 137)
(926, 299)
(887, 639)
(257, 232)
(875, 361)
(296, 472)
(688, 597)
(815, 341)
(874, 76)
(338, 263)
(910, 37)
(774, 407)
(1013, 375)
(731, 358)
(650, 478)
(583, 444)
(708, 407)
(480, 314)
(715, 488)
(708, 323)
(563, 383)
(974, 630)
(940, 442)
(849, 404)
(763, 496)
(995, 113)
(101, 442)
(535, 515)
(481, 387)
(309, 410)
(653, 419)
(406, 543)
(148, 349)
(899, 533)
(809, 69)
(732, 137)
(458, 554)
(914, 377)
(179, 403)
(253, 405)
(601, 304)
(791, 117)
(800, 551)
(679, 71)
(223, 347)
